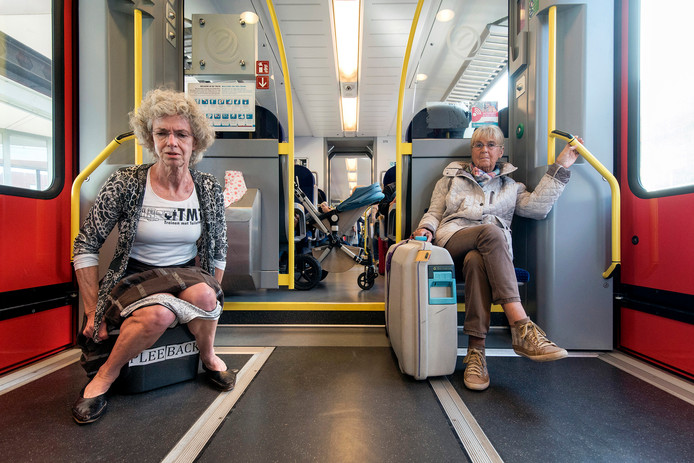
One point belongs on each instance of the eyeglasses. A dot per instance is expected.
(181, 135)
(491, 145)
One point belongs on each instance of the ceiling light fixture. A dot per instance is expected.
(349, 114)
(346, 15)
(249, 17)
(445, 15)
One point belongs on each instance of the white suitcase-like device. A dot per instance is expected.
(421, 308)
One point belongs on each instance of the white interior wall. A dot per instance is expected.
(313, 149)
(385, 155)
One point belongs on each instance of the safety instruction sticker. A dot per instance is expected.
(229, 106)
(423, 256)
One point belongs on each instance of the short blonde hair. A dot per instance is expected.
(488, 131)
(164, 102)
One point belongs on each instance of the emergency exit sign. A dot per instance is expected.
(262, 82)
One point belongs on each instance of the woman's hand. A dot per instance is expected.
(88, 280)
(423, 232)
(568, 155)
(89, 328)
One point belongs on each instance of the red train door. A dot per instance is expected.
(37, 317)
(656, 309)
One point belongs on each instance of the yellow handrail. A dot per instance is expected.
(137, 56)
(289, 150)
(614, 186)
(402, 148)
(77, 184)
(552, 85)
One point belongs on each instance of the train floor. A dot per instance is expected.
(335, 287)
(336, 394)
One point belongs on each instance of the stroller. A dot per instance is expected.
(332, 254)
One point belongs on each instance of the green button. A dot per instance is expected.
(520, 130)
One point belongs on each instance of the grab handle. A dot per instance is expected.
(77, 184)
(442, 279)
(614, 187)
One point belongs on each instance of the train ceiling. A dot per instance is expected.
(441, 50)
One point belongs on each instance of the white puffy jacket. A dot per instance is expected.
(459, 202)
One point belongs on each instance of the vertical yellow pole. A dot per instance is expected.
(138, 74)
(288, 149)
(77, 184)
(552, 85)
(402, 148)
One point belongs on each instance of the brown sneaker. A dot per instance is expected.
(530, 341)
(476, 376)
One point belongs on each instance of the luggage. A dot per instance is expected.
(172, 359)
(421, 308)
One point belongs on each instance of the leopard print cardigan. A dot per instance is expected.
(119, 202)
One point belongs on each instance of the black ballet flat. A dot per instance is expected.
(222, 380)
(86, 411)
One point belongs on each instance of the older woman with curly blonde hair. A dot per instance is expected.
(171, 246)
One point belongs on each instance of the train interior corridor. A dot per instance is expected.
(327, 394)
(313, 173)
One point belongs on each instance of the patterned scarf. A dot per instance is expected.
(482, 177)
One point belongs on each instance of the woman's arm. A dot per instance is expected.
(219, 233)
(88, 280)
(437, 206)
(537, 204)
(102, 217)
(218, 274)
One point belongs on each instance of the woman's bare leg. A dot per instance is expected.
(514, 311)
(203, 296)
(138, 332)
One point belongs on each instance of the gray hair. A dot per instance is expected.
(488, 131)
(162, 103)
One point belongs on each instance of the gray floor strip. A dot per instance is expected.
(474, 440)
(192, 443)
(667, 382)
(38, 370)
(493, 352)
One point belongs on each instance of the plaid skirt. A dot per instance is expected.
(152, 286)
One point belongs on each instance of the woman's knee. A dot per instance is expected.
(492, 232)
(155, 318)
(200, 295)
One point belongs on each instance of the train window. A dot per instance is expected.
(498, 91)
(27, 163)
(659, 147)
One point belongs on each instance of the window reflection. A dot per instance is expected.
(666, 98)
(26, 106)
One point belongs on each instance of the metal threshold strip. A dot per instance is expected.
(304, 306)
(474, 440)
(669, 383)
(191, 444)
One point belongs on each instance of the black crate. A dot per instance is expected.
(172, 359)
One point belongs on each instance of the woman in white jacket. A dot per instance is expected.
(470, 215)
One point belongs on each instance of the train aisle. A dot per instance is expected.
(336, 394)
(581, 409)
